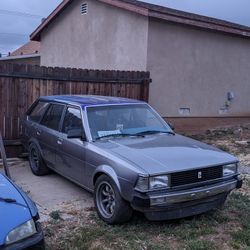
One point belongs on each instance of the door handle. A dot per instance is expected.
(59, 142)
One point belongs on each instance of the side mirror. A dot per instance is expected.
(171, 126)
(76, 133)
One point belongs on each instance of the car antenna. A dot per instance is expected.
(4, 159)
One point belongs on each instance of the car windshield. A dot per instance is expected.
(124, 120)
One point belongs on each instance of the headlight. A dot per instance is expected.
(230, 169)
(151, 183)
(24, 231)
(157, 182)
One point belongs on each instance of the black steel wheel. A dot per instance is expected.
(37, 164)
(111, 207)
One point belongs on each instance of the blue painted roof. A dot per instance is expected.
(89, 100)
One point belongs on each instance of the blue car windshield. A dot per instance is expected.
(129, 119)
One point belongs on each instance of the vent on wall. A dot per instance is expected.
(84, 8)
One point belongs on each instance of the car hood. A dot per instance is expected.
(164, 153)
(11, 214)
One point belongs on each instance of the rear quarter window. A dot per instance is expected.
(37, 112)
(52, 117)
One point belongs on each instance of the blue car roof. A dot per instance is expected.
(89, 100)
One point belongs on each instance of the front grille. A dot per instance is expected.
(196, 176)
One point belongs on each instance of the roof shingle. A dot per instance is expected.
(32, 47)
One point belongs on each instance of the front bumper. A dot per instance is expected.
(36, 241)
(184, 203)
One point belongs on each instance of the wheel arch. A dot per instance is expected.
(109, 171)
(36, 143)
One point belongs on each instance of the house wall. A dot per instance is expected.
(105, 38)
(193, 68)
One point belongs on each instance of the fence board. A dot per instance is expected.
(21, 85)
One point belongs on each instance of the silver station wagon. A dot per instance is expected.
(128, 156)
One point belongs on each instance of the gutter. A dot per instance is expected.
(8, 58)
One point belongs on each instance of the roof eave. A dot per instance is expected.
(200, 24)
(127, 6)
(36, 34)
(149, 12)
(8, 58)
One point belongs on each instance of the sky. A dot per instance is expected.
(19, 18)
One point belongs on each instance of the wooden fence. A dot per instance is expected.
(20, 85)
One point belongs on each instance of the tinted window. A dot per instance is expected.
(53, 116)
(72, 120)
(38, 111)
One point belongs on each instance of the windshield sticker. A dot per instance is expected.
(119, 126)
(107, 133)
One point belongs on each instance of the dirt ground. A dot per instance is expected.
(234, 140)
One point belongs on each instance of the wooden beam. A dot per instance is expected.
(3, 155)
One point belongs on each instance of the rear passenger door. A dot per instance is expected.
(70, 158)
(48, 132)
(31, 126)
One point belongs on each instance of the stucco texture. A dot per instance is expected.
(191, 68)
(195, 69)
(105, 38)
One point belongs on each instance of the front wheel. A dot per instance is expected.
(111, 207)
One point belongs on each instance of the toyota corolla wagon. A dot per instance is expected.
(128, 156)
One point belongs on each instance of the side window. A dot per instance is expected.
(52, 117)
(38, 111)
(72, 120)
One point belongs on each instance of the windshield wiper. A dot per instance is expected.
(113, 135)
(154, 132)
(7, 200)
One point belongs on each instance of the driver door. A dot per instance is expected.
(70, 158)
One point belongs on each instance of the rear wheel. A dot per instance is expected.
(37, 164)
(111, 207)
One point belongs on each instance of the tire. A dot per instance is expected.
(37, 164)
(110, 206)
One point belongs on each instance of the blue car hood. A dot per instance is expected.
(11, 214)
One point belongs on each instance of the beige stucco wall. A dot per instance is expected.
(105, 38)
(191, 68)
(195, 69)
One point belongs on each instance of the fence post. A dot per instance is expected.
(145, 90)
(3, 155)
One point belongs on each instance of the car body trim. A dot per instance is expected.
(193, 194)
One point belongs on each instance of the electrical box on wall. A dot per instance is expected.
(230, 95)
(184, 111)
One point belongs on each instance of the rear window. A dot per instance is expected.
(52, 117)
(38, 111)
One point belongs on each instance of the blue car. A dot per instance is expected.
(19, 226)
